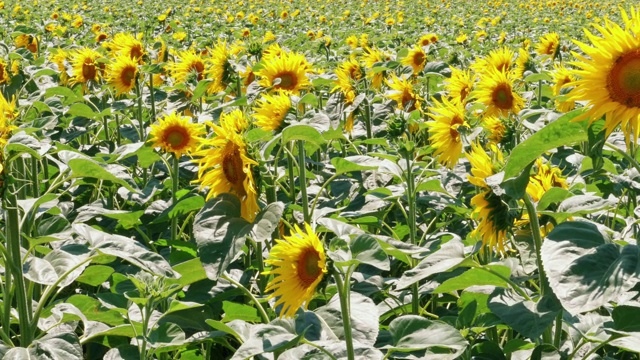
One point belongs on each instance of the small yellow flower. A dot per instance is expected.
(176, 134)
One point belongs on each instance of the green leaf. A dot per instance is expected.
(82, 110)
(183, 206)
(528, 318)
(625, 318)
(267, 221)
(54, 267)
(353, 163)
(310, 99)
(562, 132)
(538, 77)
(220, 233)
(166, 337)
(190, 271)
(220, 326)
(68, 94)
(21, 143)
(366, 250)
(236, 311)
(200, 90)
(85, 168)
(364, 318)
(553, 196)
(123, 352)
(586, 271)
(450, 255)
(411, 333)
(475, 276)
(265, 338)
(304, 133)
(95, 275)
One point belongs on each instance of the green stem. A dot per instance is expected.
(537, 241)
(303, 182)
(558, 335)
(411, 220)
(326, 183)
(292, 179)
(34, 178)
(15, 264)
(343, 293)
(539, 92)
(174, 199)
(140, 121)
(153, 99)
(367, 122)
(263, 314)
(322, 349)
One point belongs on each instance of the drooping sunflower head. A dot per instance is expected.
(483, 165)
(416, 58)
(4, 74)
(287, 73)
(523, 63)
(268, 37)
(7, 115)
(188, 66)
(403, 94)
(562, 77)
(495, 220)
(445, 131)
(495, 90)
(459, 85)
(225, 167)
(100, 37)
(127, 45)
(271, 110)
(545, 178)
(176, 134)
(121, 74)
(548, 45)
(352, 41)
(86, 68)
(298, 265)
(28, 42)
(220, 70)
(495, 127)
(608, 77)
(235, 120)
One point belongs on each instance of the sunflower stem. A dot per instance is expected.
(624, 154)
(153, 99)
(303, 182)
(537, 241)
(15, 265)
(263, 314)
(292, 179)
(343, 293)
(539, 92)
(175, 181)
(139, 98)
(367, 122)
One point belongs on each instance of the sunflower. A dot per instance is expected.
(495, 91)
(608, 78)
(495, 127)
(126, 44)
(459, 85)
(7, 115)
(492, 212)
(4, 75)
(522, 64)
(370, 58)
(188, 65)
(403, 94)
(28, 42)
(100, 37)
(220, 70)
(268, 37)
(444, 131)
(271, 111)
(121, 74)
(235, 120)
(416, 58)
(225, 167)
(286, 73)
(176, 134)
(545, 178)
(352, 41)
(500, 59)
(548, 44)
(561, 78)
(85, 66)
(298, 265)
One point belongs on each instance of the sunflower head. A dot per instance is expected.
(495, 90)
(271, 111)
(85, 66)
(403, 94)
(548, 44)
(121, 74)
(495, 220)
(189, 65)
(176, 134)
(459, 85)
(416, 58)
(545, 178)
(298, 265)
(445, 131)
(608, 76)
(220, 70)
(286, 73)
(4, 74)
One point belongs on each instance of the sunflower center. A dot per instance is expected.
(408, 99)
(232, 166)
(177, 137)
(623, 81)
(463, 93)
(198, 67)
(453, 129)
(418, 58)
(127, 75)
(89, 70)
(288, 81)
(308, 268)
(502, 97)
(136, 52)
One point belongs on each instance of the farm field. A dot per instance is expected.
(319, 180)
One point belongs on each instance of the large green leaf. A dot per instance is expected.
(365, 249)
(586, 271)
(354, 163)
(561, 132)
(476, 276)
(412, 333)
(267, 221)
(220, 233)
(86, 168)
(528, 318)
(265, 338)
(364, 318)
(450, 255)
(56, 266)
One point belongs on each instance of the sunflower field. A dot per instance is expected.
(334, 179)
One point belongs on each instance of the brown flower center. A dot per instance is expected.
(177, 137)
(623, 81)
(232, 167)
(502, 97)
(288, 81)
(308, 267)
(127, 75)
(453, 129)
(89, 69)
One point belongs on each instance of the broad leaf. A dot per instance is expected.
(412, 333)
(364, 318)
(528, 318)
(450, 255)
